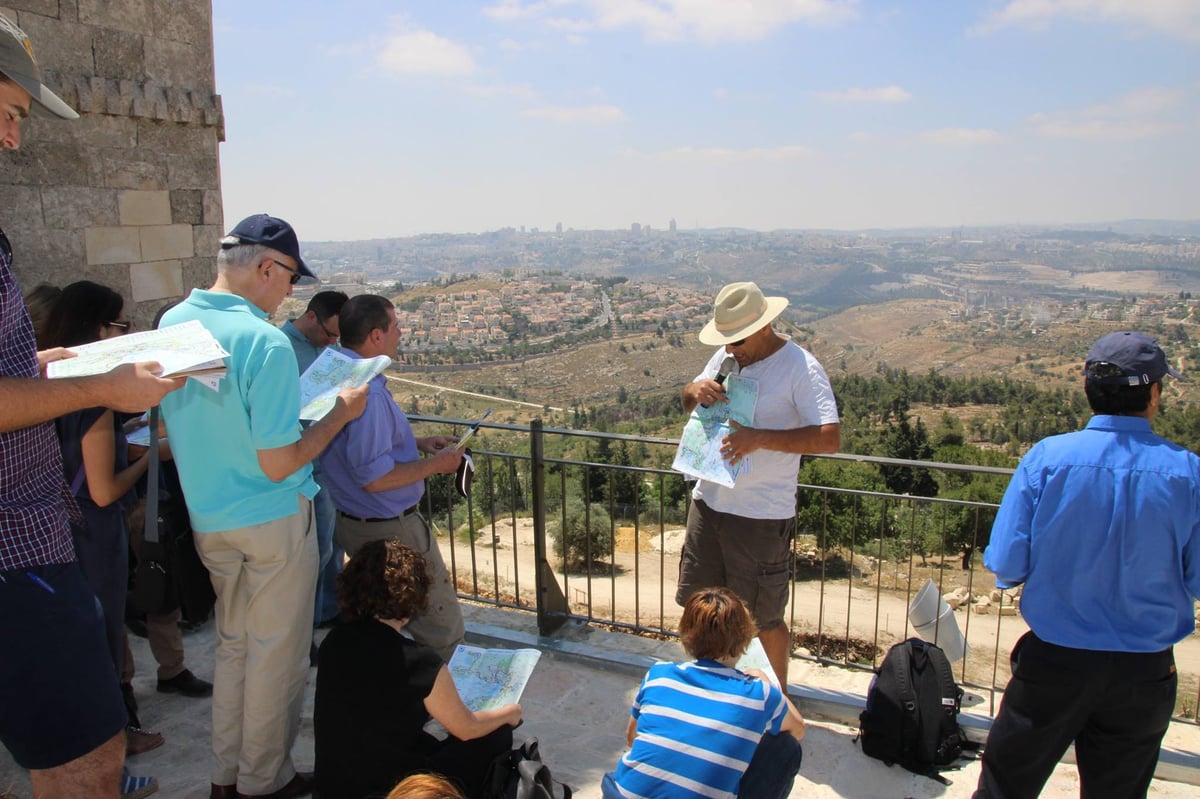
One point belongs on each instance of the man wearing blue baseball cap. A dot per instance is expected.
(1102, 527)
(244, 463)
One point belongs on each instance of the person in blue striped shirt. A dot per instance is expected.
(703, 729)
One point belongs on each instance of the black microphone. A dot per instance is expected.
(727, 367)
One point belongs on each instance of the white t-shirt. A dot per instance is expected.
(793, 392)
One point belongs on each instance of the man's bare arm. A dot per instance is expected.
(280, 462)
(131, 387)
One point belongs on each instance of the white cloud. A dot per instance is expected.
(1178, 18)
(960, 137)
(416, 51)
(884, 94)
(1139, 114)
(783, 152)
(588, 114)
(673, 20)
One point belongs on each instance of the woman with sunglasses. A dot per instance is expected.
(102, 479)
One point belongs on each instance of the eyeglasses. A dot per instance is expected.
(295, 272)
(333, 336)
(124, 327)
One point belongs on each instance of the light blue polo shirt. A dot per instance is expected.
(215, 435)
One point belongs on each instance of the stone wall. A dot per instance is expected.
(128, 195)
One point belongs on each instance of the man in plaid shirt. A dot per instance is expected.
(61, 713)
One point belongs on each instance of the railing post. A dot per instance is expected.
(552, 609)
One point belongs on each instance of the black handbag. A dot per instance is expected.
(521, 774)
(169, 573)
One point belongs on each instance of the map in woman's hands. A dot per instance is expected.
(491, 678)
(331, 372)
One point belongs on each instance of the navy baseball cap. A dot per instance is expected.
(269, 231)
(1127, 359)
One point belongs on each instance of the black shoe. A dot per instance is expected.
(187, 684)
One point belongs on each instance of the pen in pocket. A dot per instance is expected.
(33, 577)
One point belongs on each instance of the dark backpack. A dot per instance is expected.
(521, 774)
(911, 716)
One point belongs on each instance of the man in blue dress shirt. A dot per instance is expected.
(376, 476)
(1102, 526)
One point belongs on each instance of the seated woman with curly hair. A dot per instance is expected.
(376, 689)
(704, 729)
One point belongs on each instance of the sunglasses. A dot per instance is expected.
(295, 273)
(737, 343)
(124, 327)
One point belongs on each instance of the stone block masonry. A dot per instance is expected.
(128, 195)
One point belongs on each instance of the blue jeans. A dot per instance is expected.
(329, 553)
(773, 768)
(770, 774)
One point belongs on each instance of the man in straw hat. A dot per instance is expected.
(1102, 526)
(741, 537)
(61, 714)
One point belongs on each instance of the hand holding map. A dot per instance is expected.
(184, 349)
(699, 454)
(331, 372)
(491, 678)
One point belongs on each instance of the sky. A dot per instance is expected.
(369, 119)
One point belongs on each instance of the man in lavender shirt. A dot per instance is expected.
(375, 474)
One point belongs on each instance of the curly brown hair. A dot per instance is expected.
(384, 579)
(716, 623)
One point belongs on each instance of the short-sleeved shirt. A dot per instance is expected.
(367, 449)
(369, 709)
(34, 528)
(216, 435)
(793, 392)
(698, 725)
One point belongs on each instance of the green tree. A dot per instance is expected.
(582, 534)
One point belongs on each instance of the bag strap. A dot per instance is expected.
(77, 483)
(151, 523)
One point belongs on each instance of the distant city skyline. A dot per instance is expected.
(376, 119)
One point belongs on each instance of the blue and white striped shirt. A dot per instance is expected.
(698, 725)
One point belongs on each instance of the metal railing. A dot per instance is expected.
(521, 541)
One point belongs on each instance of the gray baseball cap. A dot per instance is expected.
(19, 65)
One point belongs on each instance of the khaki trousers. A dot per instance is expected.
(440, 626)
(265, 579)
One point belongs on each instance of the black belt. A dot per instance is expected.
(369, 519)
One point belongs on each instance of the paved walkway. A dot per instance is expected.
(575, 705)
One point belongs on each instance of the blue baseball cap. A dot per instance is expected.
(269, 231)
(1127, 359)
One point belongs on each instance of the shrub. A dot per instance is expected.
(584, 536)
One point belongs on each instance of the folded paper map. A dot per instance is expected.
(184, 349)
(491, 678)
(331, 372)
(699, 454)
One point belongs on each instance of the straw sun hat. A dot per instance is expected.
(740, 310)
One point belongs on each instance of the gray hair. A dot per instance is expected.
(239, 255)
